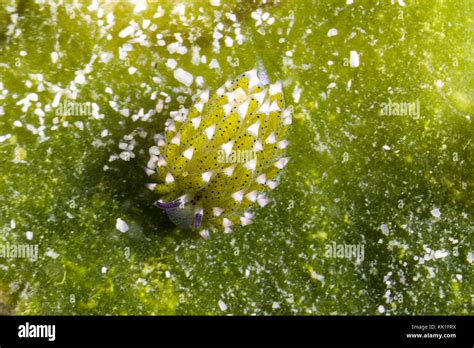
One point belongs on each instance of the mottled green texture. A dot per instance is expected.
(352, 170)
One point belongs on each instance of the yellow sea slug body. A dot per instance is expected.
(216, 161)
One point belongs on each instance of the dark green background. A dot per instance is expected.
(340, 186)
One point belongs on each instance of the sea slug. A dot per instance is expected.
(215, 162)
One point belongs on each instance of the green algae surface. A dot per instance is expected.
(381, 157)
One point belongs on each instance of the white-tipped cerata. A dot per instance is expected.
(282, 144)
(151, 186)
(258, 146)
(210, 131)
(272, 184)
(282, 162)
(253, 129)
(252, 196)
(227, 147)
(199, 106)
(189, 153)
(149, 171)
(274, 107)
(206, 177)
(271, 139)
(260, 96)
(176, 139)
(196, 121)
(261, 179)
(204, 234)
(262, 200)
(238, 195)
(229, 170)
(217, 211)
(161, 161)
(242, 109)
(226, 222)
(251, 165)
(227, 109)
(245, 221)
(169, 178)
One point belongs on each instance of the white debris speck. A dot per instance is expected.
(289, 53)
(318, 277)
(247, 273)
(386, 147)
(29, 235)
(110, 18)
(401, 3)
(125, 155)
(183, 76)
(256, 14)
(17, 123)
(140, 6)
(297, 94)
(5, 137)
(214, 64)
(275, 305)
(167, 274)
(126, 32)
(440, 254)
(80, 79)
(13, 224)
(229, 41)
(179, 9)
(436, 212)
(104, 270)
(177, 47)
(384, 229)
(349, 2)
(104, 133)
(439, 84)
(332, 32)
(354, 59)
(32, 97)
(199, 81)
(171, 63)
(381, 309)
(459, 277)
(54, 57)
(39, 112)
(470, 257)
(222, 305)
(132, 70)
(51, 253)
(121, 225)
(79, 124)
